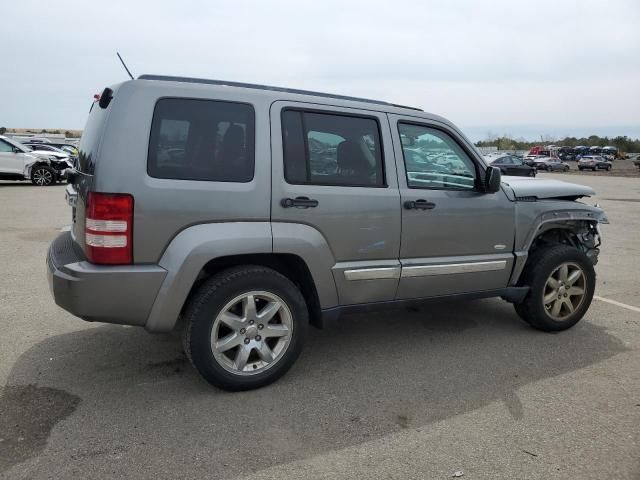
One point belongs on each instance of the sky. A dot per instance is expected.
(521, 68)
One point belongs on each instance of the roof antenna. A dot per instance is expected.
(124, 65)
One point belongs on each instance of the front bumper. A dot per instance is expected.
(100, 293)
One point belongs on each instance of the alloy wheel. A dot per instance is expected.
(251, 333)
(564, 291)
(42, 176)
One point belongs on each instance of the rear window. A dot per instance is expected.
(202, 140)
(90, 141)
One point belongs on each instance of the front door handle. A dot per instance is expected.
(419, 204)
(299, 202)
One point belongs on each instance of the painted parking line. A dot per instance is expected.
(619, 304)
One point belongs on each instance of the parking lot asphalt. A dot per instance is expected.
(406, 394)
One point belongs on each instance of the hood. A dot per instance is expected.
(48, 154)
(541, 188)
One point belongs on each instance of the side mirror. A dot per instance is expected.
(492, 180)
(15, 150)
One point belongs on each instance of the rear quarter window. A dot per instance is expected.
(206, 140)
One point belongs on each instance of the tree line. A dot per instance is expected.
(622, 143)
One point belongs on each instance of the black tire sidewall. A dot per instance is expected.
(213, 296)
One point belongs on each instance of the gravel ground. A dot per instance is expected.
(404, 394)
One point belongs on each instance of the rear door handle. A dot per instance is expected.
(299, 202)
(419, 204)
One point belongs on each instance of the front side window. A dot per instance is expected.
(434, 160)
(331, 149)
(202, 140)
(5, 147)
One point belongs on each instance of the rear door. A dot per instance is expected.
(333, 170)
(455, 237)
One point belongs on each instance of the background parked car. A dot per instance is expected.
(551, 164)
(594, 162)
(581, 150)
(531, 159)
(18, 163)
(511, 165)
(567, 153)
(595, 150)
(59, 160)
(47, 149)
(67, 147)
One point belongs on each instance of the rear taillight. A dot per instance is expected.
(108, 229)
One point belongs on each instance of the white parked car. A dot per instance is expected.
(19, 162)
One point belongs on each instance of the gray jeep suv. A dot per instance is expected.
(249, 212)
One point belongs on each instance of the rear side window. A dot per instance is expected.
(202, 140)
(331, 149)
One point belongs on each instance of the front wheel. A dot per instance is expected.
(562, 282)
(532, 173)
(565, 169)
(43, 176)
(245, 327)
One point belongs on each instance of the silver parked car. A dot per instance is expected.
(250, 212)
(550, 164)
(594, 162)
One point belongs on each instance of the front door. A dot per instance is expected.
(11, 163)
(455, 238)
(334, 182)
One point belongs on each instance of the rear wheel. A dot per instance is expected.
(566, 168)
(245, 327)
(43, 176)
(608, 168)
(594, 169)
(562, 282)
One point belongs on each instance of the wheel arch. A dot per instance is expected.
(199, 251)
(578, 229)
(289, 265)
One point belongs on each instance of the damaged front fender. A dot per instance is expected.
(36, 162)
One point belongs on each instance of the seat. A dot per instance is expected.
(231, 155)
(353, 164)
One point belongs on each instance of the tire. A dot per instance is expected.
(540, 267)
(565, 169)
(532, 173)
(594, 169)
(204, 327)
(608, 168)
(43, 176)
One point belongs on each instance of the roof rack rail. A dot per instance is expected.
(169, 78)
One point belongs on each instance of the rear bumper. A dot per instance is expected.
(97, 293)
